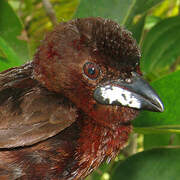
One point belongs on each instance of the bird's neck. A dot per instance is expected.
(97, 142)
(99, 135)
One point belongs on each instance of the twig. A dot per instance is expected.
(50, 11)
(174, 65)
(132, 146)
(171, 140)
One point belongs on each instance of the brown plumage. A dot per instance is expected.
(55, 121)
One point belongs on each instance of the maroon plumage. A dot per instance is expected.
(55, 122)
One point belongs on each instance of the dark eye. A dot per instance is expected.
(91, 70)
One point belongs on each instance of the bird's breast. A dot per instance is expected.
(96, 143)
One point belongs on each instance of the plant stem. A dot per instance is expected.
(50, 11)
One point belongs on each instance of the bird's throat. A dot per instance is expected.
(97, 143)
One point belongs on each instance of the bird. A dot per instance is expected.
(70, 108)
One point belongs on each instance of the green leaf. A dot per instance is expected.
(161, 46)
(137, 28)
(3, 64)
(168, 89)
(114, 9)
(151, 21)
(10, 31)
(139, 7)
(12, 58)
(160, 140)
(154, 164)
(122, 11)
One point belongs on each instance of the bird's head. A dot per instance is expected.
(95, 63)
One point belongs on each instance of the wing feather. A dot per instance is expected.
(29, 113)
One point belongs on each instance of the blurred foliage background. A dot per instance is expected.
(153, 150)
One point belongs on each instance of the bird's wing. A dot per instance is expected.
(30, 113)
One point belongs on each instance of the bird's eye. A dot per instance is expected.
(91, 70)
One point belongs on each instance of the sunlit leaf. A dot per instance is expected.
(151, 21)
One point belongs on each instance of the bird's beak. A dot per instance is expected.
(135, 93)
